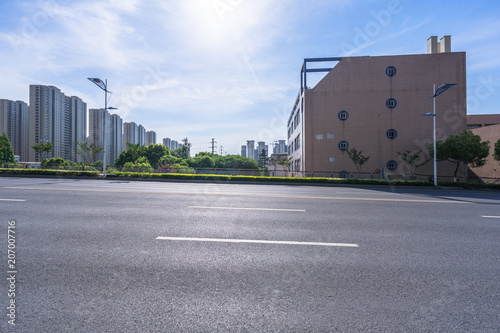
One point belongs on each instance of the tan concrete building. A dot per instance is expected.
(482, 120)
(490, 172)
(375, 104)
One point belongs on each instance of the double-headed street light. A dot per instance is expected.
(104, 86)
(441, 89)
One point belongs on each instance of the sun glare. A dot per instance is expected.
(213, 23)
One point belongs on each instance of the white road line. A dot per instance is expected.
(17, 200)
(491, 217)
(242, 208)
(221, 240)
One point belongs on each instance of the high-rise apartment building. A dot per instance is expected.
(14, 121)
(75, 127)
(130, 134)
(244, 151)
(251, 149)
(58, 119)
(262, 151)
(100, 133)
(150, 138)
(106, 131)
(116, 137)
(142, 135)
(167, 142)
(280, 147)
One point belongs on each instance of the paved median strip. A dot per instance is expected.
(222, 240)
(244, 208)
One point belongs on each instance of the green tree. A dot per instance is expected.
(133, 152)
(262, 160)
(6, 151)
(169, 160)
(42, 147)
(201, 160)
(184, 149)
(154, 152)
(496, 154)
(88, 152)
(235, 162)
(285, 163)
(357, 158)
(412, 160)
(465, 148)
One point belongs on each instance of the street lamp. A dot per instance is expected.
(104, 86)
(441, 89)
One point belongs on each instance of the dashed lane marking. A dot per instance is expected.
(222, 240)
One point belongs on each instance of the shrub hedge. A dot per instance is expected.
(306, 180)
(228, 178)
(49, 172)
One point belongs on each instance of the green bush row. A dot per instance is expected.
(49, 172)
(307, 180)
(228, 178)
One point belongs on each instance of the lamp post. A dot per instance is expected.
(441, 89)
(104, 86)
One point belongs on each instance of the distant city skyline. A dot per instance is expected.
(193, 69)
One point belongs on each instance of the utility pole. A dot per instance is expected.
(214, 147)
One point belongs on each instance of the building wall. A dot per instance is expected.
(360, 86)
(482, 120)
(492, 167)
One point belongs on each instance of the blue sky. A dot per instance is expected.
(226, 69)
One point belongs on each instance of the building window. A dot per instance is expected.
(391, 71)
(343, 115)
(392, 165)
(343, 145)
(343, 174)
(392, 134)
(391, 103)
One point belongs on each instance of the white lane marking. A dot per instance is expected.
(491, 217)
(242, 208)
(222, 240)
(18, 200)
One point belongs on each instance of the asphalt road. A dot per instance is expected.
(118, 256)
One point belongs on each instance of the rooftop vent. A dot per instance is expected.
(444, 45)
